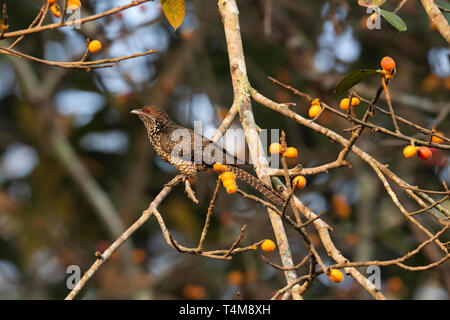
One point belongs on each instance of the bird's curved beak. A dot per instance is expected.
(135, 111)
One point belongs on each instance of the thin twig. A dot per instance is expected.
(208, 216)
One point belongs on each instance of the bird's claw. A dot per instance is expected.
(189, 191)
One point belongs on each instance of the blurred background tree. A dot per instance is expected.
(76, 168)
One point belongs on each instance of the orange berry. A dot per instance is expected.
(299, 182)
(388, 64)
(314, 111)
(227, 175)
(50, 2)
(94, 46)
(231, 189)
(235, 278)
(194, 292)
(291, 153)
(268, 245)
(54, 8)
(186, 34)
(341, 206)
(315, 102)
(73, 5)
(275, 148)
(355, 101)
(425, 153)
(435, 139)
(409, 151)
(138, 255)
(336, 275)
(218, 167)
(345, 103)
(395, 285)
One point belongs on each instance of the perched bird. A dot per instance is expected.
(190, 152)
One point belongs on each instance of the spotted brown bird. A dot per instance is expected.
(190, 152)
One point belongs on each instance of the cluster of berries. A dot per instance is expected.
(276, 148)
(345, 103)
(424, 153)
(228, 178)
(299, 182)
(72, 5)
(335, 275)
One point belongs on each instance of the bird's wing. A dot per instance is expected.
(194, 147)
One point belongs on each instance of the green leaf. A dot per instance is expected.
(394, 20)
(352, 79)
(371, 3)
(174, 11)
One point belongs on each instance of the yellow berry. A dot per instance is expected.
(73, 5)
(94, 46)
(232, 188)
(355, 101)
(336, 275)
(409, 151)
(314, 111)
(299, 182)
(291, 153)
(275, 148)
(227, 176)
(218, 167)
(345, 103)
(268, 245)
(229, 182)
(54, 8)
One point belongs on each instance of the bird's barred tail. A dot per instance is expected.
(257, 184)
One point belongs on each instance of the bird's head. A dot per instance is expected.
(153, 117)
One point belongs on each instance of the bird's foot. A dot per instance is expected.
(189, 191)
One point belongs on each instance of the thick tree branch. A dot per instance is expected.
(229, 12)
(437, 18)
